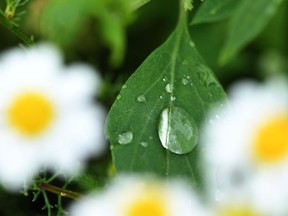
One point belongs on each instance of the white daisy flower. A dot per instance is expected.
(247, 147)
(47, 114)
(140, 196)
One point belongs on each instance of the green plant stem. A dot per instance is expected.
(7, 24)
(59, 191)
(47, 203)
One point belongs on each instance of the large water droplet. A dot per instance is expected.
(141, 99)
(177, 130)
(168, 88)
(125, 138)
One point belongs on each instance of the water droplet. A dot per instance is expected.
(118, 97)
(161, 97)
(172, 98)
(184, 81)
(164, 79)
(150, 137)
(205, 76)
(124, 86)
(141, 99)
(191, 44)
(168, 88)
(144, 144)
(185, 62)
(177, 130)
(188, 77)
(125, 138)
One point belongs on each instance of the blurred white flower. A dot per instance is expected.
(140, 196)
(47, 114)
(246, 148)
(237, 205)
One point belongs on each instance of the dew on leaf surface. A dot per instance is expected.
(125, 138)
(168, 88)
(177, 130)
(141, 99)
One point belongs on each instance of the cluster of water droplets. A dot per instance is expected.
(126, 138)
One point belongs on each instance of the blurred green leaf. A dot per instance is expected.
(248, 20)
(64, 21)
(214, 10)
(172, 84)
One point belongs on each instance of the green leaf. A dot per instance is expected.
(214, 10)
(248, 21)
(65, 21)
(166, 100)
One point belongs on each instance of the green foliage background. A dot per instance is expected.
(116, 36)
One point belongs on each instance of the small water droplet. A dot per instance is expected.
(188, 77)
(125, 138)
(185, 62)
(161, 97)
(206, 76)
(191, 44)
(168, 88)
(185, 81)
(164, 79)
(150, 137)
(124, 86)
(144, 144)
(118, 97)
(141, 99)
(177, 130)
(172, 98)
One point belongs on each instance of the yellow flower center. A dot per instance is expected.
(147, 205)
(30, 113)
(271, 143)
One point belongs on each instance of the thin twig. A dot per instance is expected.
(59, 191)
(16, 31)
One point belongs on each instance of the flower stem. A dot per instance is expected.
(16, 31)
(59, 191)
